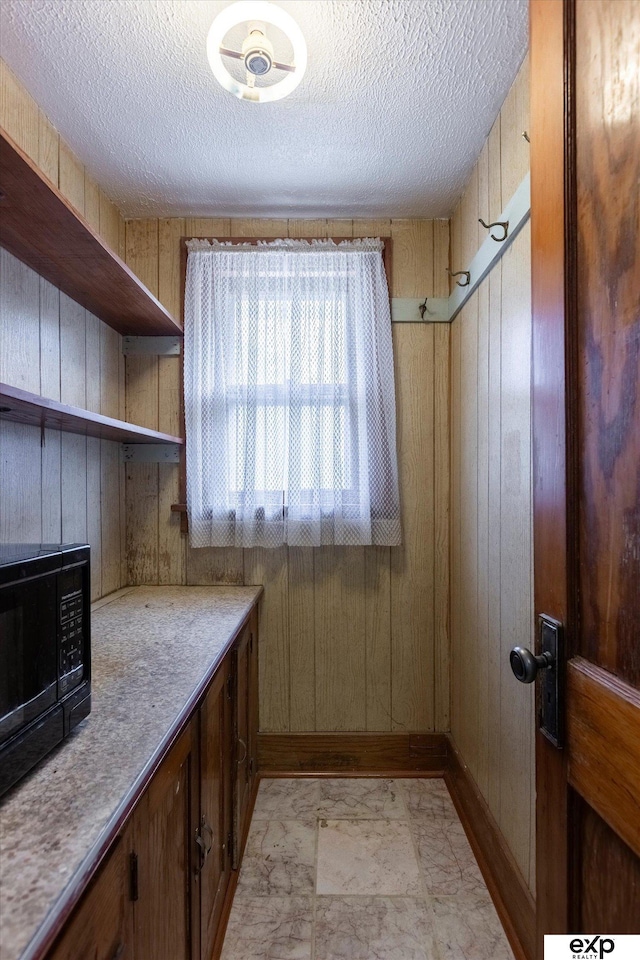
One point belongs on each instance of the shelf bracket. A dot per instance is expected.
(152, 346)
(151, 452)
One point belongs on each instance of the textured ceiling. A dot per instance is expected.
(389, 119)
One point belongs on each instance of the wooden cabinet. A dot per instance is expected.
(242, 661)
(216, 798)
(162, 857)
(162, 891)
(102, 928)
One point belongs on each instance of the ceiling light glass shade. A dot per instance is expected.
(256, 10)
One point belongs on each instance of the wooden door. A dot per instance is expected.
(242, 672)
(102, 925)
(252, 706)
(162, 841)
(585, 177)
(216, 797)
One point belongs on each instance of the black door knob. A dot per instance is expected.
(525, 665)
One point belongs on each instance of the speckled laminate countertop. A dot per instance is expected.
(152, 647)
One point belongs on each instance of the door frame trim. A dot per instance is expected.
(552, 33)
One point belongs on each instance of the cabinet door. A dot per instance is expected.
(242, 668)
(253, 697)
(162, 837)
(216, 795)
(102, 926)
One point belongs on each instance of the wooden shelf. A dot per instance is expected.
(29, 408)
(40, 227)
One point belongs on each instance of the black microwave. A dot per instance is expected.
(45, 651)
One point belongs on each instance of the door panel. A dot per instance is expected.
(585, 171)
(607, 99)
(162, 841)
(101, 928)
(243, 746)
(216, 789)
(602, 856)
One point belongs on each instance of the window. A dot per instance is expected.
(289, 395)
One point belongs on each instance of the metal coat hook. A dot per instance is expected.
(526, 136)
(499, 223)
(460, 273)
(423, 308)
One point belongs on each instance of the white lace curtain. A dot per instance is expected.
(289, 395)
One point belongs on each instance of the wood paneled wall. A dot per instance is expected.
(491, 507)
(59, 486)
(351, 638)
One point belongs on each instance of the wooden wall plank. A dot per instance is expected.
(377, 588)
(142, 240)
(170, 264)
(468, 639)
(496, 204)
(109, 222)
(441, 486)
(209, 565)
(258, 228)
(514, 119)
(94, 514)
(412, 564)
(307, 228)
(340, 228)
(91, 202)
(51, 487)
(494, 562)
(49, 340)
(142, 407)
(340, 639)
(372, 228)
(19, 114)
(19, 324)
(71, 177)
(302, 641)
(482, 574)
(270, 567)
(20, 483)
(441, 520)
(110, 353)
(110, 515)
(93, 388)
(207, 227)
(171, 543)
(74, 488)
(72, 352)
(142, 523)
(48, 149)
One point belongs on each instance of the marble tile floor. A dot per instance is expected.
(360, 869)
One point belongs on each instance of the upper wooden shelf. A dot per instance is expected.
(29, 408)
(39, 227)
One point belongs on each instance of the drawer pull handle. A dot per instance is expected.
(244, 756)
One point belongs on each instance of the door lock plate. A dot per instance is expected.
(551, 637)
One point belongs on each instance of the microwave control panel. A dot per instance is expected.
(71, 650)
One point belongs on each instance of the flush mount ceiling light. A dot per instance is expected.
(257, 51)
